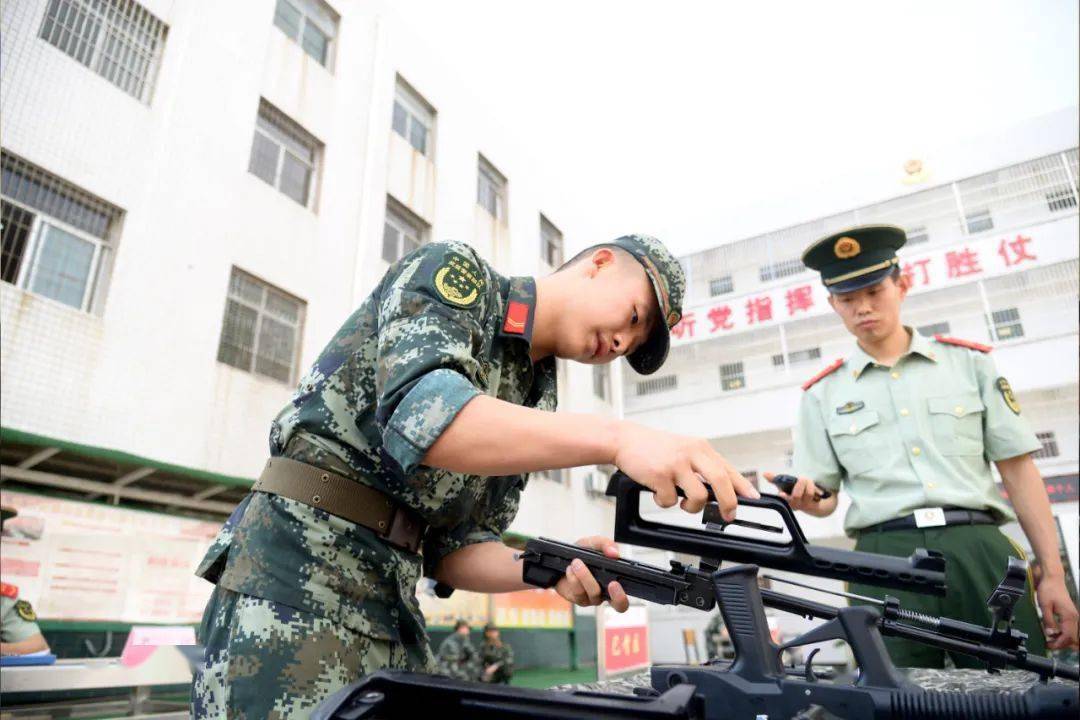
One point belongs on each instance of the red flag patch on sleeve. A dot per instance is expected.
(517, 318)
(9, 590)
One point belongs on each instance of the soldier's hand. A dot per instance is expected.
(581, 588)
(804, 496)
(1059, 615)
(662, 462)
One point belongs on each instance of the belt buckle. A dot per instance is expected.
(404, 530)
(929, 517)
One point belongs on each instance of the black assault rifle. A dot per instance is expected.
(755, 686)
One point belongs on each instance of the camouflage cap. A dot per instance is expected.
(669, 283)
(855, 258)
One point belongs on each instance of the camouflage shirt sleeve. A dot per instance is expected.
(489, 521)
(430, 324)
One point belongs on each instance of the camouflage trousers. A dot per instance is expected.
(265, 660)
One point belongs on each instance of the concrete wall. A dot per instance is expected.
(141, 375)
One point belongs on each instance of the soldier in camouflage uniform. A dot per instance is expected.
(715, 634)
(436, 397)
(496, 656)
(457, 657)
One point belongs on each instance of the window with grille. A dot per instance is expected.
(403, 232)
(721, 286)
(938, 328)
(284, 155)
(551, 243)
(657, 385)
(1049, 447)
(491, 190)
(979, 221)
(414, 118)
(601, 381)
(57, 239)
(1060, 199)
(916, 235)
(731, 376)
(118, 39)
(261, 329)
(1007, 325)
(310, 24)
(782, 269)
(797, 356)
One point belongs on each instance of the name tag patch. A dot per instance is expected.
(929, 517)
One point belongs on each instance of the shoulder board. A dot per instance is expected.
(827, 371)
(9, 590)
(969, 344)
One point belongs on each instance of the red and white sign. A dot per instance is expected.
(974, 259)
(88, 561)
(623, 640)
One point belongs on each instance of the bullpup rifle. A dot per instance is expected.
(755, 687)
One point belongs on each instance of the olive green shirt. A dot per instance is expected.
(17, 620)
(919, 434)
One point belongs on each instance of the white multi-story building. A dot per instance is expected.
(196, 195)
(992, 253)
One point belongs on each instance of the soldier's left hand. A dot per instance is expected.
(1059, 615)
(581, 588)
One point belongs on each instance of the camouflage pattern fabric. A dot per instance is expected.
(500, 654)
(268, 660)
(17, 620)
(431, 336)
(458, 658)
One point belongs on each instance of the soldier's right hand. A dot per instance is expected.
(663, 461)
(804, 496)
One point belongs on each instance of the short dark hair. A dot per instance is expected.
(460, 624)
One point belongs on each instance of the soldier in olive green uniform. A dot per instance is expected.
(404, 452)
(19, 631)
(496, 657)
(457, 658)
(908, 427)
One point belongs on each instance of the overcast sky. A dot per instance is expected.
(703, 122)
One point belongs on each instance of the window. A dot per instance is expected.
(551, 244)
(916, 235)
(403, 232)
(284, 155)
(414, 118)
(261, 329)
(1007, 325)
(309, 23)
(797, 356)
(1060, 199)
(657, 385)
(596, 482)
(556, 476)
(117, 39)
(601, 382)
(1049, 445)
(731, 376)
(57, 239)
(979, 221)
(782, 269)
(721, 286)
(938, 328)
(491, 190)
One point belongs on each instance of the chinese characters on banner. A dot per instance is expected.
(85, 561)
(623, 640)
(975, 259)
